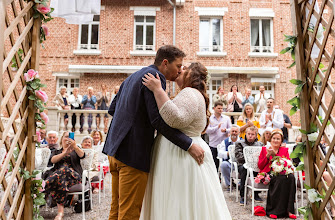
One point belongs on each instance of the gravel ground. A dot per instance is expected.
(101, 212)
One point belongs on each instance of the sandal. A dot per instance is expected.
(59, 216)
(272, 216)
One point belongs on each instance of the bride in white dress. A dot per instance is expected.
(178, 188)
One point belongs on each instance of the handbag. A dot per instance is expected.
(78, 206)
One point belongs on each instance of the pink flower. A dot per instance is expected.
(44, 117)
(38, 134)
(43, 9)
(260, 177)
(46, 30)
(257, 180)
(41, 95)
(30, 75)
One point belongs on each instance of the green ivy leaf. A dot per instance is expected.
(39, 201)
(32, 97)
(292, 65)
(293, 54)
(313, 128)
(285, 50)
(303, 131)
(301, 167)
(317, 78)
(299, 88)
(296, 81)
(307, 186)
(298, 149)
(293, 110)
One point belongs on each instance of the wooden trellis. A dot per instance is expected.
(19, 43)
(313, 24)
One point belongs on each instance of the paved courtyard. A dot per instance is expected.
(101, 211)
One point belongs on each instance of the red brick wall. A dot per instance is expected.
(116, 42)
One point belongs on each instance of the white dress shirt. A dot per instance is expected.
(276, 122)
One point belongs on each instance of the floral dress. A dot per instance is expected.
(58, 184)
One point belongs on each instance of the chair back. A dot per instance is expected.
(251, 156)
(86, 163)
(332, 159)
(231, 150)
(2, 154)
(42, 157)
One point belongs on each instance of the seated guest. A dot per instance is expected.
(247, 119)
(97, 138)
(224, 154)
(281, 194)
(266, 136)
(52, 139)
(66, 172)
(95, 168)
(43, 136)
(250, 140)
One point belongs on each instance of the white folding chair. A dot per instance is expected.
(86, 164)
(290, 148)
(2, 155)
(251, 155)
(234, 175)
(101, 177)
(42, 157)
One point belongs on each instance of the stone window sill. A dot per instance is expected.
(142, 53)
(268, 55)
(212, 54)
(87, 52)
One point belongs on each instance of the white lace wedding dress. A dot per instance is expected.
(178, 188)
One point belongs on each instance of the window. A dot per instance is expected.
(210, 35)
(261, 35)
(89, 35)
(69, 83)
(144, 33)
(212, 87)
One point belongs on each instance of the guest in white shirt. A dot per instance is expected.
(218, 129)
(75, 102)
(260, 99)
(271, 117)
(224, 154)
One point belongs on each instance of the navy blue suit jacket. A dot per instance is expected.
(135, 117)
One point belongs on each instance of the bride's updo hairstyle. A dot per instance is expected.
(196, 77)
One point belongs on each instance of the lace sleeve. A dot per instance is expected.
(180, 112)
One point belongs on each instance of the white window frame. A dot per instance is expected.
(261, 47)
(211, 47)
(212, 13)
(68, 87)
(211, 92)
(89, 45)
(144, 24)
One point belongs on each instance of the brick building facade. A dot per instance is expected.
(237, 40)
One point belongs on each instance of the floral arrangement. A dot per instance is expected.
(43, 11)
(281, 166)
(263, 178)
(313, 197)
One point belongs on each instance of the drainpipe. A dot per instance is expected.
(174, 21)
(174, 38)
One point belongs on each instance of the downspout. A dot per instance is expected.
(174, 38)
(174, 21)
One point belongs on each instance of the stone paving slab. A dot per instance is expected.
(101, 212)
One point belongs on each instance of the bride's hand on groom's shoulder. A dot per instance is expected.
(197, 153)
(152, 82)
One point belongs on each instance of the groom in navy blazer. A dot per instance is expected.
(131, 134)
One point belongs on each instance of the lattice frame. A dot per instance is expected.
(19, 32)
(311, 20)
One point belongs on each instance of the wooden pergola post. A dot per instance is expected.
(304, 101)
(2, 40)
(30, 154)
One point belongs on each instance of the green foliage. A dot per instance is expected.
(292, 40)
(299, 151)
(14, 63)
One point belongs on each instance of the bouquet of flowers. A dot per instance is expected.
(281, 166)
(263, 178)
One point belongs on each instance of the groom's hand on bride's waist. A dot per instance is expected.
(197, 153)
